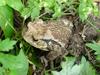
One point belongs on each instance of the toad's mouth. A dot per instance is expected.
(34, 39)
(39, 43)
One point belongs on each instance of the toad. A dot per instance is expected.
(52, 36)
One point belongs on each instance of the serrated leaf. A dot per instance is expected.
(17, 5)
(86, 68)
(14, 65)
(31, 10)
(7, 44)
(6, 20)
(68, 68)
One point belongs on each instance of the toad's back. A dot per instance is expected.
(60, 31)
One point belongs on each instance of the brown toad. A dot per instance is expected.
(52, 36)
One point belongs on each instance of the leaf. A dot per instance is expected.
(68, 68)
(35, 12)
(85, 8)
(26, 12)
(32, 9)
(58, 11)
(98, 57)
(6, 20)
(84, 11)
(94, 46)
(49, 4)
(7, 44)
(95, 10)
(86, 68)
(17, 5)
(1, 71)
(14, 65)
(32, 3)
(2, 2)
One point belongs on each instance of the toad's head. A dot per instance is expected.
(37, 29)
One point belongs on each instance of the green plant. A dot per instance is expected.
(6, 20)
(96, 47)
(87, 7)
(70, 68)
(55, 7)
(11, 64)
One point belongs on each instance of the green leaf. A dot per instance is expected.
(86, 68)
(94, 46)
(68, 68)
(49, 4)
(16, 4)
(32, 9)
(84, 11)
(32, 3)
(96, 11)
(26, 12)
(7, 44)
(6, 20)
(2, 2)
(98, 57)
(1, 71)
(58, 11)
(85, 8)
(35, 12)
(14, 65)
